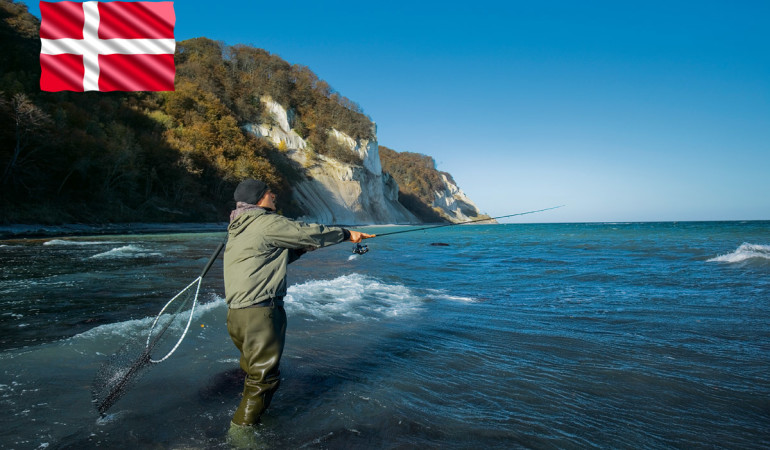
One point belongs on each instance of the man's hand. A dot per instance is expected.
(357, 236)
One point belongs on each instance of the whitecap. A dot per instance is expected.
(441, 295)
(73, 242)
(745, 252)
(130, 328)
(127, 251)
(456, 298)
(354, 296)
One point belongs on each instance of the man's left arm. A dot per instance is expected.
(298, 235)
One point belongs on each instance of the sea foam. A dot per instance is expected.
(745, 252)
(350, 297)
(73, 242)
(127, 251)
(132, 328)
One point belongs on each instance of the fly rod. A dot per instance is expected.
(466, 222)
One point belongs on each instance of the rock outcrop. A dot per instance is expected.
(335, 192)
(454, 203)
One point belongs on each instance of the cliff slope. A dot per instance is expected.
(334, 191)
(430, 194)
(236, 112)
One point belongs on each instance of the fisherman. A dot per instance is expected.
(260, 245)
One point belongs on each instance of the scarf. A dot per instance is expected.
(240, 208)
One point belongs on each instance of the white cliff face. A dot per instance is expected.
(335, 192)
(281, 132)
(367, 150)
(341, 193)
(455, 203)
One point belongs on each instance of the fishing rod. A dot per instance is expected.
(362, 248)
(467, 222)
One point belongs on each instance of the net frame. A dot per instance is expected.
(110, 382)
(150, 345)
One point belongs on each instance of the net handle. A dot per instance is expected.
(192, 310)
(213, 258)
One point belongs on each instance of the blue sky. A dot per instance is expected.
(623, 111)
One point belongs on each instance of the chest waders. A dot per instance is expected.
(259, 332)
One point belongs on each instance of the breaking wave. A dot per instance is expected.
(135, 327)
(439, 295)
(72, 242)
(127, 251)
(744, 253)
(350, 297)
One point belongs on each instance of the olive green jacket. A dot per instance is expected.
(260, 245)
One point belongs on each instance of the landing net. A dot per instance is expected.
(121, 371)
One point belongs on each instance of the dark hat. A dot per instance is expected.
(250, 191)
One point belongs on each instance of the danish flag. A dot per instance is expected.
(107, 46)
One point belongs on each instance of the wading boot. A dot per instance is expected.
(256, 398)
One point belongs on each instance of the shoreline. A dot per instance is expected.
(37, 231)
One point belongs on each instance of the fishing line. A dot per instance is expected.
(120, 372)
(361, 249)
(466, 222)
(122, 369)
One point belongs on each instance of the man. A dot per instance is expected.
(260, 245)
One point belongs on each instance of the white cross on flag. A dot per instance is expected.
(107, 46)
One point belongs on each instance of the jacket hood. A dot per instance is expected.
(245, 218)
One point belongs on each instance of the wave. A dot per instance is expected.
(455, 298)
(345, 298)
(744, 253)
(135, 327)
(127, 251)
(70, 242)
(350, 297)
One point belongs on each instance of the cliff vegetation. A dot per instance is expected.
(168, 156)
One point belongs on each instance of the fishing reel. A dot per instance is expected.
(360, 249)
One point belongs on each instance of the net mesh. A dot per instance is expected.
(122, 370)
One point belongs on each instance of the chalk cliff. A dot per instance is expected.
(334, 192)
(454, 203)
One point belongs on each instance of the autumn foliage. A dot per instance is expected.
(418, 181)
(167, 156)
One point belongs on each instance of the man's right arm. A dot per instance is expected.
(357, 236)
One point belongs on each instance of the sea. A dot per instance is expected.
(543, 336)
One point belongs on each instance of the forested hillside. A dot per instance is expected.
(168, 156)
(417, 179)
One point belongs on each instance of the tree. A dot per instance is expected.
(29, 124)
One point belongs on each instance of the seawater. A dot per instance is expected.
(624, 335)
